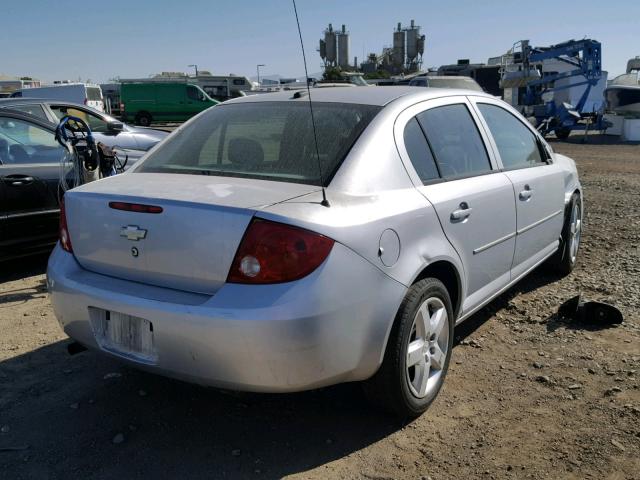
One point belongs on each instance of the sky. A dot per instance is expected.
(97, 41)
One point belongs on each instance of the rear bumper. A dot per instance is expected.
(326, 328)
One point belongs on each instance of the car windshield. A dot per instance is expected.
(93, 94)
(452, 82)
(264, 140)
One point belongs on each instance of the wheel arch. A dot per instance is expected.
(448, 274)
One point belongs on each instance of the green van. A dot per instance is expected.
(144, 103)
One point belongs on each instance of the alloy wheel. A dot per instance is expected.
(427, 347)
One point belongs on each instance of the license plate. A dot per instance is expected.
(124, 334)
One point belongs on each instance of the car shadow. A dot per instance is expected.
(17, 269)
(91, 414)
(64, 412)
(536, 279)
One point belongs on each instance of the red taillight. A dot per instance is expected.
(135, 207)
(65, 238)
(273, 252)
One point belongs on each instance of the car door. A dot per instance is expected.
(4, 253)
(473, 199)
(538, 183)
(195, 101)
(29, 175)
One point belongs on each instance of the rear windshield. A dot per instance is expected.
(93, 93)
(269, 141)
(452, 82)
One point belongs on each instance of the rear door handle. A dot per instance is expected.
(526, 193)
(462, 213)
(17, 180)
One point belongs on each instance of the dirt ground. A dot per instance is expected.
(528, 395)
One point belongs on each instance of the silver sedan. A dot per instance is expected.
(259, 248)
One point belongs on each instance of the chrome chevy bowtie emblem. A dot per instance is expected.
(133, 232)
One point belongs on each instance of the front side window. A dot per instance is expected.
(264, 140)
(194, 94)
(419, 152)
(23, 142)
(96, 124)
(455, 141)
(516, 144)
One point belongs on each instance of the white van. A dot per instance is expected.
(83, 93)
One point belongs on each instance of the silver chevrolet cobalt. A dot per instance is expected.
(216, 259)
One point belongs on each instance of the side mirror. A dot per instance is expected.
(114, 126)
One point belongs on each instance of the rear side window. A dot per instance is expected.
(419, 152)
(36, 110)
(516, 144)
(455, 141)
(264, 140)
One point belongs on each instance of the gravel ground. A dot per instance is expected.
(528, 395)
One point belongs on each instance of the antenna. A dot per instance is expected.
(325, 202)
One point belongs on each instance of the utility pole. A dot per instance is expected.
(196, 67)
(258, 71)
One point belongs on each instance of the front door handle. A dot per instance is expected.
(18, 180)
(526, 193)
(462, 213)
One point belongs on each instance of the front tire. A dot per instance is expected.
(143, 119)
(418, 351)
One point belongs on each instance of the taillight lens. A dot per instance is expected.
(272, 252)
(65, 238)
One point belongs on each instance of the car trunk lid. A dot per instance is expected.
(189, 246)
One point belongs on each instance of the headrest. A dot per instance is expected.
(244, 151)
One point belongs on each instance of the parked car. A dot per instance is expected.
(81, 93)
(466, 83)
(29, 176)
(106, 129)
(144, 103)
(216, 260)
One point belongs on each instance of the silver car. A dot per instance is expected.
(134, 141)
(217, 260)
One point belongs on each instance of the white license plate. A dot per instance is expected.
(124, 334)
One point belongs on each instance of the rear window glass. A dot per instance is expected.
(419, 152)
(454, 82)
(269, 141)
(93, 93)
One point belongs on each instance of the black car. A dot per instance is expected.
(30, 166)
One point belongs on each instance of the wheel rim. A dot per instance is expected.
(575, 229)
(427, 347)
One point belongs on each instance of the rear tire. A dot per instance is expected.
(565, 259)
(418, 352)
(143, 119)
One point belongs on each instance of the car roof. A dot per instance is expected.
(379, 96)
(28, 100)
